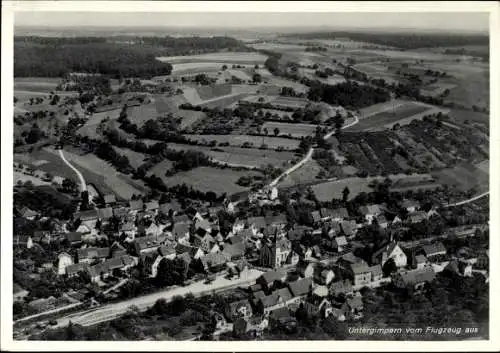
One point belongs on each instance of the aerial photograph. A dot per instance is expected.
(220, 176)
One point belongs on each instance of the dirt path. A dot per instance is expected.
(293, 168)
(472, 199)
(83, 185)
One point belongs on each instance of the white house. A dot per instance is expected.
(391, 250)
(64, 260)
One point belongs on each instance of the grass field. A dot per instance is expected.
(212, 91)
(89, 129)
(403, 112)
(249, 157)
(140, 114)
(108, 175)
(295, 130)
(135, 158)
(436, 89)
(206, 179)
(474, 89)
(38, 84)
(305, 174)
(333, 189)
(227, 57)
(464, 177)
(257, 141)
(160, 169)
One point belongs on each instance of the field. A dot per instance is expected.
(435, 89)
(89, 129)
(256, 141)
(140, 114)
(388, 115)
(160, 169)
(166, 104)
(290, 102)
(305, 174)
(278, 47)
(294, 130)
(212, 91)
(18, 176)
(333, 189)
(464, 177)
(281, 82)
(135, 158)
(228, 57)
(207, 179)
(244, 157)
(37, 84)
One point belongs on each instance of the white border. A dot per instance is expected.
(247, 6)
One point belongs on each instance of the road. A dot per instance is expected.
(83, 185)
(114, 310)
(472, 199)
(356, 120)
(293, 168)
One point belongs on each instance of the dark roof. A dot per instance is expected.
(432, 249)
(235, 239)
(109, 198)
(370, 209)
(166, 250)
(152, 205)
(355, 303)
(120, 211)
(136, 205)
(358, 268)
(425, 274)
(283, 293)
(234, 250)
(74, 237)
(105, 213)
(149, 241)
(315, 216)
(86, 215)
(271, 276)
(93, 252)
(180, 230)
(300, 287)
(269, 300)
(178, 219)
(336, 213)
(259, 222)
(173, 205)
(75, 268)
(283, 312)
(340, 287)
(348, 227)
(276, 220)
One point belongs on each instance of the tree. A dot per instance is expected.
(224, 67)
(257, 78)
(69, 185)
(389, 267)
(345, 194)
(276, 131)
(85, 205)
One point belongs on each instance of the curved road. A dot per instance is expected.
(83, 185)
(472, 199)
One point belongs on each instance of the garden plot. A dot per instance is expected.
(224, 57)
(219, 181)
(256, 141)
(293, 130)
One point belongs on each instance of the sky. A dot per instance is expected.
(467, 21)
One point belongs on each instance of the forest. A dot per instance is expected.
(401, 40)
(56, 57)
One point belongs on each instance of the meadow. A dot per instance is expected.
(256, 141)
(222, 57)
(294, 130)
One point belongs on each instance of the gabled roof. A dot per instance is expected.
(120, 211)
(432, 249)
(166, 250)
(258, 222)
(235, 239)
(136, 205)
(340, 241)
(407, 203)
(172, 205)
(341, 287)
(283, 293)
(388, 249)
(213, 259)
(269, 300)
(234, 250)
(315, 216)
(335, 213)
(413, 277)
(151, 205)
(149, 242)
(105, 213)
(86, 215)
(420, 259)
(359, 268)
(300, 287)
(348, 227)
(109, 198)
(74, 237)
(370, 209)
(180, 230)
(276, 220)
(178, 219)
(93, 252)
(376, 270)
(75, 268)
(271, 276)
(417, 216)
(355, 303)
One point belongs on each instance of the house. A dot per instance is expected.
(369, 212)
(281, 318)
(170, 208)
(337, 214)
(300, 289)
(117, 250)
(410, 205)
(109, 199)
(19, 292)
(256, 224)
(417, 216)
(396, 220)
(341, 288)
(84, 229)
(339, 243)
(89, 255)
(483, 260)
(271, 302)
(376, 271)
(353, 305)
(239, 225)
(182, 219)
(382, 221)
(202, 223)
(460, 268)
(129, 229)
(204, 242)
(238, 309)
(349, 228)
(89, 217)
(181, 232)
(136, 206)
(360, 274)
(234, 251)
(420, 261)
(147, 244)
(433, 250)
(320, 291)
(325, 277)
(63, 260)
(75, 269)
(414, 278)
(121, 213)
(219, 321)
(28, 213)
(268, 279)
(23, 240)
(315, 217)
(390, 251)
(105, 214)
(74, 238)
(308, 271)
(213, 262)
(152, 206)
(278, 221)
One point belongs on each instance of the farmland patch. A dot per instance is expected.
(256, 141)
(225, 57)
(294, 130)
